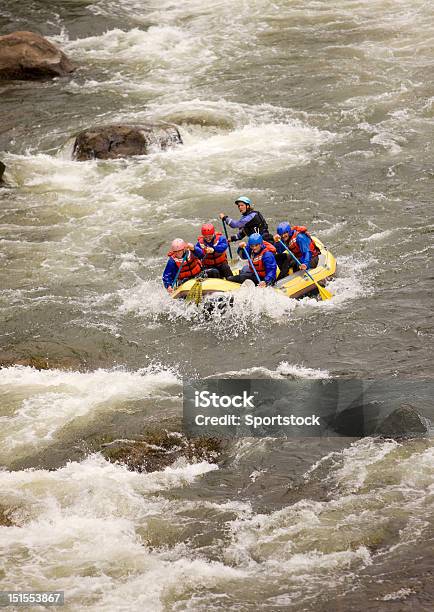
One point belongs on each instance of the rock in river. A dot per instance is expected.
(159, 449)
(29, 56)
(114, 141)
(404, 422)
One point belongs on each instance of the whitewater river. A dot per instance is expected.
(322, 113)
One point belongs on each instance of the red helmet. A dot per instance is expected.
(208, 229)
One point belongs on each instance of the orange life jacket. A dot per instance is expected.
(257, 258)
(191, 266)
(212, 259)
(293, 246)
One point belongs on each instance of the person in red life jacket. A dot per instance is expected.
(214, 246)
(191, 267)
(262, 254)
(299, 242)
(251, 221)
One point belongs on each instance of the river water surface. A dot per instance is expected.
(322, 113)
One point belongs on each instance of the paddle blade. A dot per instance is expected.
(324, 293)
(195, 293)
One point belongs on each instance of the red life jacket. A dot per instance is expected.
(257, 258)
(293, 246)
(191, 266)
(212, 259)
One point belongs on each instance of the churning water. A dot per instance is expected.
(322, 113)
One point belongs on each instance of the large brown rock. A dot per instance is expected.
(159, 449)
(113, 141)
(25, 55)
(2, 171)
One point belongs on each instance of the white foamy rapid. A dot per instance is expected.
(155, 61)
(112, 539)
(379, 489)
(284, 370)
(39, 407)
(85, 527)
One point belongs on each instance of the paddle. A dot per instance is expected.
(251, 264)
(195, 293)
(227, 238)
(184, 259)
(325, 295)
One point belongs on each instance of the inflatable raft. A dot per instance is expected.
(295, 285)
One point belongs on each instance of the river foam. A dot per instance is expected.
(113, 540)
(284, 370)
(40, 406)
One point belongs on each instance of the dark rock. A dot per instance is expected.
(160, 449)
(5, 517)
(2, 171)
(40, 362)
(404, 422)
(114, 141)
(29, 56)
(356, 421)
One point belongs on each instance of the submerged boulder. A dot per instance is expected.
(159, 449)
(29, 56)
(368, 420)
(356, 421)
(41, 362)
(114, 141)
(404, 422)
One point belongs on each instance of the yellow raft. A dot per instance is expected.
(294, 285)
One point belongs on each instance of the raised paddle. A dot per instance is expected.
(325, 295)
(251, 264)
(227, 238)
(184, 259)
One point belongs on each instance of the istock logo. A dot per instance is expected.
(205, 399)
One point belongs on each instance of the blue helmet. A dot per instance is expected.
(244, 200)
(283, 228)
(255, 239)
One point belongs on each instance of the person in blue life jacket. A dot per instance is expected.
(300, 243)
(213, 246)
(262, 255)
(250, 222)
(190, 267)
